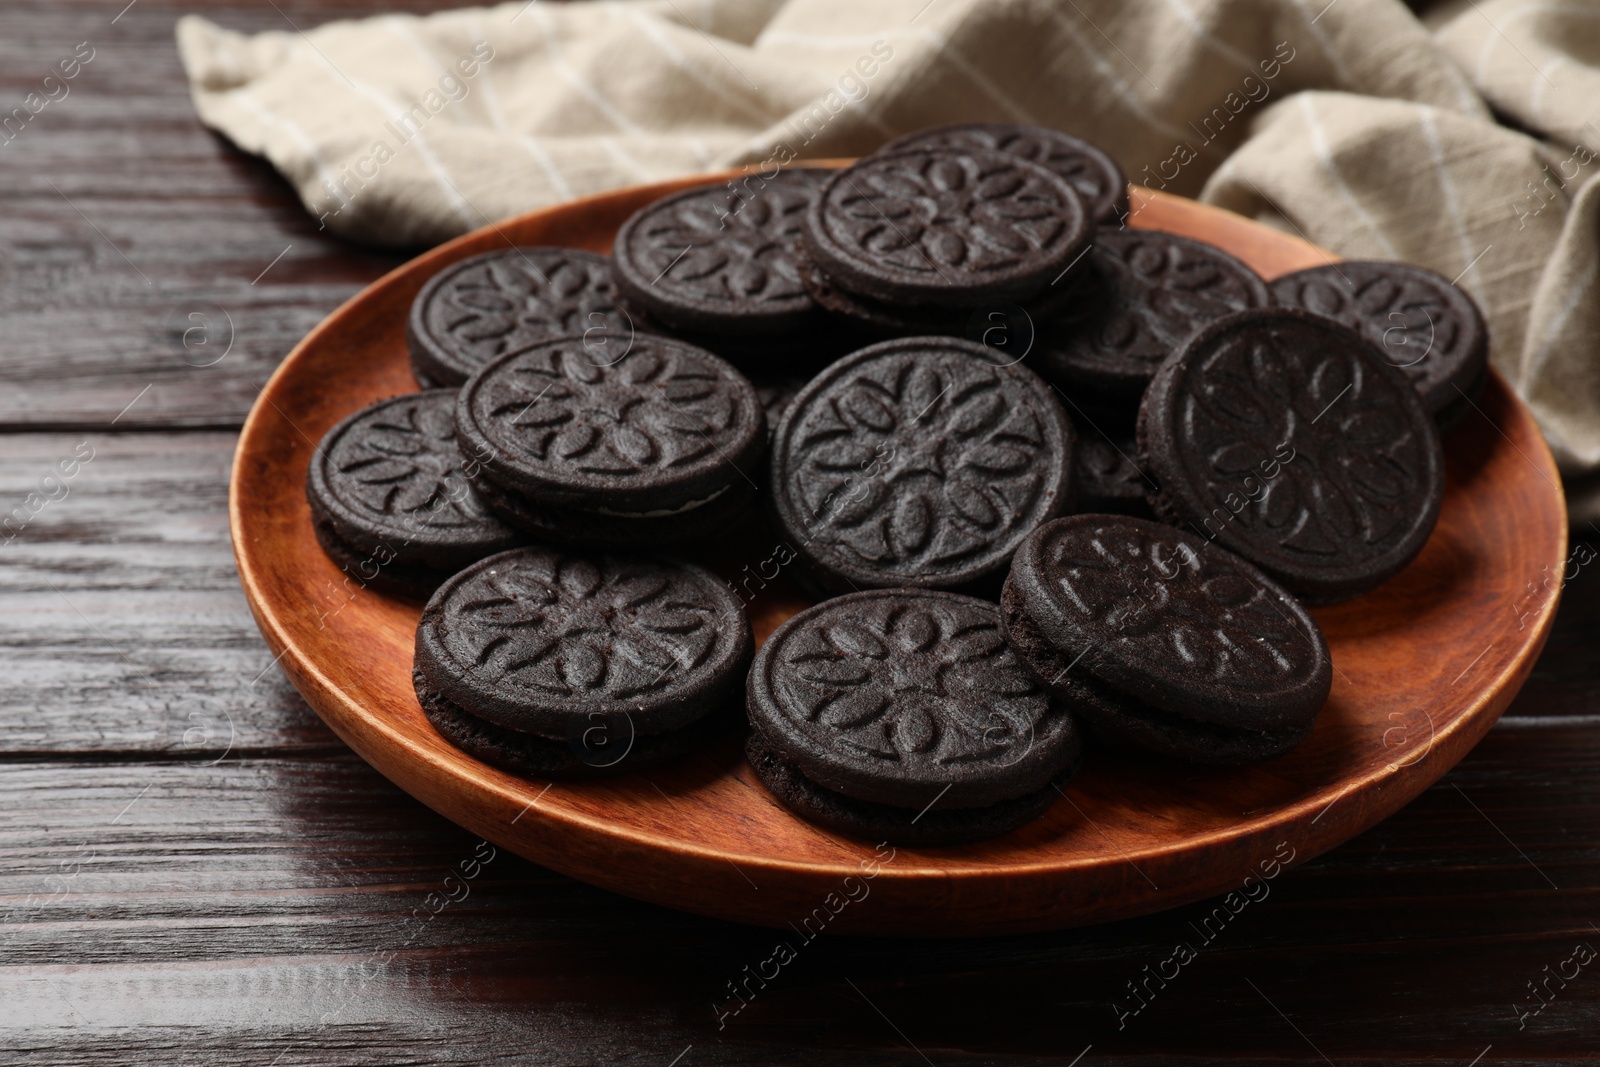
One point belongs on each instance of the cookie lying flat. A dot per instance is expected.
(661, 444)
(717, 259)
(902, 715)
(1142, 294)
(561, 664)
(1098, 179)
(488, 305)
(1288, 438)
(1157, 639)
(918, 462)
(945, 227)
(390, 502)
(1421, 323)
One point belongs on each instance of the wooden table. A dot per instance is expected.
(196, 870)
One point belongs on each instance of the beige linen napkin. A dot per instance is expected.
(1349, 122)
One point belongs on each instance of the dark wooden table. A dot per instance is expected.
(196, 870)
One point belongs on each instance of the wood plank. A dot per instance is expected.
(251, 897)
(124, 629)
(121, 217)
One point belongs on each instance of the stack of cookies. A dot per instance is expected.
(1052, 481)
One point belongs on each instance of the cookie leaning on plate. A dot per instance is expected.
(491, 304)
(390, 502)
(569, 665)
(919, 462)
(1288, 438)
(1160, 640)
(612, 440)
(902, 715)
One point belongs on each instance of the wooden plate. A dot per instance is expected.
(1424, 666)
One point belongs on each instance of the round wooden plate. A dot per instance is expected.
(1423, 667)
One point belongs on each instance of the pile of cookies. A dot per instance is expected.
(1045, 474)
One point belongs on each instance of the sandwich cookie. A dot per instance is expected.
(902, 715)
(390, 500)
(1423, 324)
(1291, 441)
(1142, 295)
(945, 229)
(566, 665)
(488, 305)
(715, 265)
(1098, 179)
(918, 462)
(662, 444)
(1160, 640)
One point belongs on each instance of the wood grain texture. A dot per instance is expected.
(123, 629)
(233, 906)
(121, 217)
(1407, 945)
(1424, 665)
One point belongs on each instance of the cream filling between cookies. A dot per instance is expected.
(662, 513)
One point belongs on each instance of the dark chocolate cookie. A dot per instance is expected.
(909, 699)
(596, 745)
(918, 462)
(803, 349)
(1099, 181)
(665, 439)
(1421, 323)
(1287, 438)
(1161, 640)
(562, 646)
(946, 228)
(885, 822)
(1142, 295)
(488, 305)
(1107, 477)
(718, 258)
(390, 502)
(881, 320)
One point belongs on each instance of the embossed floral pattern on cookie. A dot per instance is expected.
(1421, 323)
(929, 681)
(723, 247)
(1090, 171)
(1143, 294)
(934, 225)
(491, 304)
(1358, 452)
(404, 461)
(920, 462)
(663, 410)
(578, 627)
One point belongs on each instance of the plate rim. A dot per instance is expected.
(354, 725)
